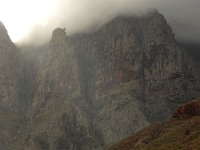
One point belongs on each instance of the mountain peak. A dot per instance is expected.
(59, 34)
(3, 33)
(2, 25)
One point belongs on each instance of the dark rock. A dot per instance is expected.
(87, 91)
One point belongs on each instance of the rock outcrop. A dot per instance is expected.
(133, 67)
(10, 96)
(94, 89)
(56, 118)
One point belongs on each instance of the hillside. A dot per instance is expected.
(182, 132)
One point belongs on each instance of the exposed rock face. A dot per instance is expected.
(8, 69)
(10, 73)
(133, 67)
(58, 78)
(109, 84)
(96, 88)
(56, 119)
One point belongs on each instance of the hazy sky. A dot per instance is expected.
(37, 18)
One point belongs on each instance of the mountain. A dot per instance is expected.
(10, 88)
(193, 49)
(181, 132)
(90, 90)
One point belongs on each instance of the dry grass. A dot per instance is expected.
(182, 134)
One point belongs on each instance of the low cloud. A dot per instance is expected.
(82, 15)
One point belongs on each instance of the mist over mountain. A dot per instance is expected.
(89, 90)
(86, 15)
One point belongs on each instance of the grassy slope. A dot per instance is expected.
(173, 135)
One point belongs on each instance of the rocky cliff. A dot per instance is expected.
(93, 89)
(10, 88)
(57, 115)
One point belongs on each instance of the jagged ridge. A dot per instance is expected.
(94, 89)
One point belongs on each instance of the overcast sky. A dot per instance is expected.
(79, 15)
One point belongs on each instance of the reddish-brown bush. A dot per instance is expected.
(189, 109)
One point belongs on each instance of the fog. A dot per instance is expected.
(83, 15)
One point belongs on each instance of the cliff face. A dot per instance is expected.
(10, 74)
(133, 67)
(94, 89)
(56, 118)
(8, 68)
